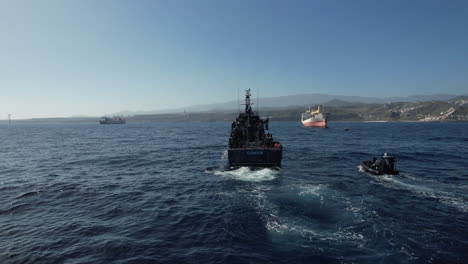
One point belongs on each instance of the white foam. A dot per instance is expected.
(361, 169)
(247, 174)
(224, 156)
(449, 200)
(281, 228)
(340, 234)
(421, 190)
(408, 186)
(312, 189)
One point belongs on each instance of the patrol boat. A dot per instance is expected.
(249, 145)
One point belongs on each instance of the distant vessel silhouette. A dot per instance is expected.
(112, 120)
(249, 145)
(314, 118)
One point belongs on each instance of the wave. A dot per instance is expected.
(27, 194)
(448, 138)
(424, 156)
(15, 209)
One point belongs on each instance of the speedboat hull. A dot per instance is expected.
(367, 166)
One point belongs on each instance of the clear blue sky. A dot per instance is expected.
(87, 57)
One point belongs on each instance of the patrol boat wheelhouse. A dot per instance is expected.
(249, 145)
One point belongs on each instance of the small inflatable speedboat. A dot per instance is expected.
(385, 165)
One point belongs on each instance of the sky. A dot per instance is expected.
(61, 58)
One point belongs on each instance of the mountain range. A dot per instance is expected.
(289, 108)
(454, 109)
(293, 100)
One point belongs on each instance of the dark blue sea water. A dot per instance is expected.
(159, 193)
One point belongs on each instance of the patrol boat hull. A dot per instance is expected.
(255, 157)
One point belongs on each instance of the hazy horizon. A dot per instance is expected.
(87, 58)
(232, 104)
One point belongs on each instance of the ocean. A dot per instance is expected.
(161, 193)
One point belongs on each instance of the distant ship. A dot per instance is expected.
(314, 118)
(249, 145)
(112, 120)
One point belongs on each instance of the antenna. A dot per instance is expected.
(258, 98)
(238, 100)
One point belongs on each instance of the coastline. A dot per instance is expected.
(141, 121)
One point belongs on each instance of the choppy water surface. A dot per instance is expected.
(159, 193)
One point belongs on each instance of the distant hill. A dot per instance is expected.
(459, 100)
(337, 102)
(293, 100)
(338, 110)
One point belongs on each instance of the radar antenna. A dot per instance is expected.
(238, 100)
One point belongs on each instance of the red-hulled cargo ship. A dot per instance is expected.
(314, 118)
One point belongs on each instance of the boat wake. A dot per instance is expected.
(417, 187)
(248, 174)
(340, 235)
(289, 215)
